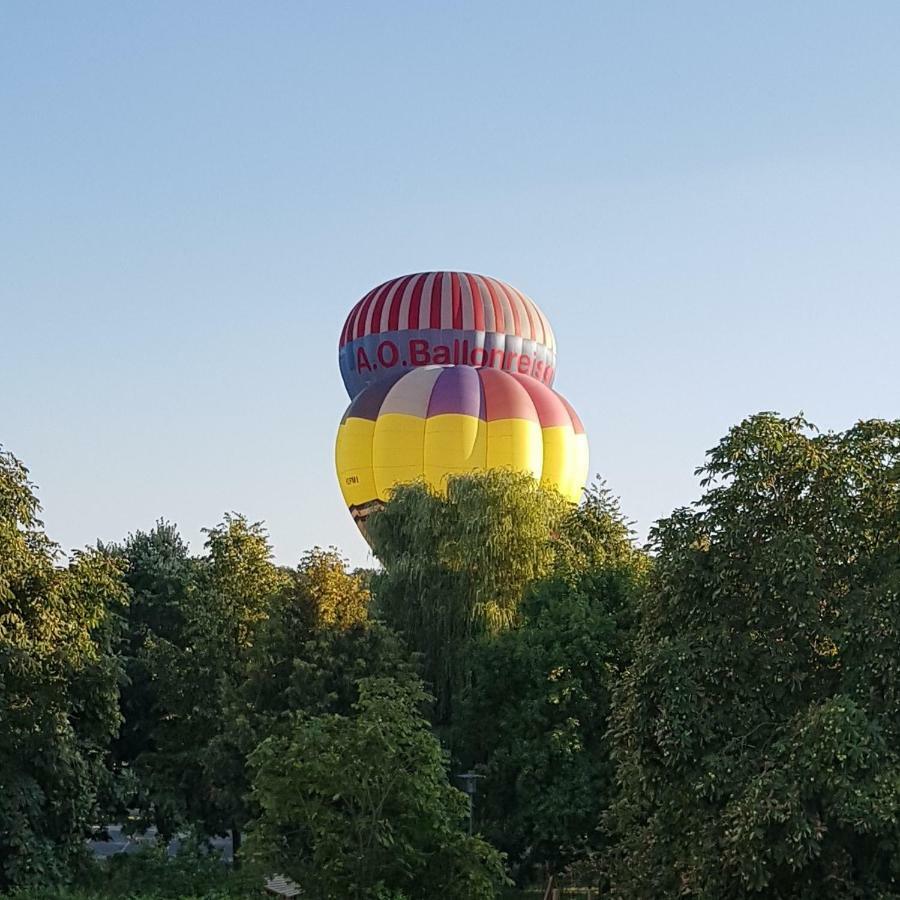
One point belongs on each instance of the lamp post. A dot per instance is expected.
(470, 786)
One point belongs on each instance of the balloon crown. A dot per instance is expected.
(444, 318)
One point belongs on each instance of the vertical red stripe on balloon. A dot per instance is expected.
(436, 301)
(441, 300)
(354, 313)
(363, 324)
(360, 323)
(373, 316)
(548, 340)
(540, 334)
(345, 334)
(414, 302)
(513, 305)
(378, 308)
(487, 305)
(526, 305)
(413, 293)
(477, 307)
(465, 302)
(394, 308)
(499, 320)
(358, 312)
(456, 300)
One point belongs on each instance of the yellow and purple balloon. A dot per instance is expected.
(432, 422)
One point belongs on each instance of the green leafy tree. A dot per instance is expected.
(59, 677)
(304, 661)
(151, 873)
(162, 578)
(536, 713)
(333, 596)
(595, 538)
(456, 565)
(359, 805)
(225, 602)
(757, 730)
(308, 656)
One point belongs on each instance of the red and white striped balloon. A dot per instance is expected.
(444, 318)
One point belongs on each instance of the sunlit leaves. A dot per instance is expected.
(59, 679)
(536, 710)
(756, 732)
(358, 804)
(456, 564)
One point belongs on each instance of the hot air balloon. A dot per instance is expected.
(444, 318)
(436, 421)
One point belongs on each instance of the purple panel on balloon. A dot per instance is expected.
(457, 391)
(367, 403)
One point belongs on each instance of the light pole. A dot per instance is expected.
(470, 786)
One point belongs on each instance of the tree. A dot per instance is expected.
(359, 805)
(162, 578)
(536, 713)
(225, 603)
(456, 565)
(308, 657)
(59, 677)
(333, 596)
(757, 729)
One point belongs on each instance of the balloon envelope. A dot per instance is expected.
(444, 318)
(436, 421)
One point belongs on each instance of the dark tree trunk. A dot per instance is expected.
(235, 846)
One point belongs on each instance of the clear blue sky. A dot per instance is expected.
(703, 197)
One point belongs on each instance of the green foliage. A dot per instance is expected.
(59, 680)
(50, 893)
(757, 730)
(537, 710)
(723, 723)
(314, 671)
(139, 893)
(359, 805)
(456, 565)
(194, 655)
(594, 537)
(334, 597)
(150, 874)
(308, 657)
(162, 578)
(195, 871)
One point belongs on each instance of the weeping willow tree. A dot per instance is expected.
(456, 564)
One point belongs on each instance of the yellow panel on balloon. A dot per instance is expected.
(454, 443)
(515, 444)
(559, 462)
(397, 451)
(353, 460)
(440, 421)
(580, 466)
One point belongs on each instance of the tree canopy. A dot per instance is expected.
(537, 708)
(756, 731)
(715, 716)
(457, 563)
(359, 805)
(59, 677)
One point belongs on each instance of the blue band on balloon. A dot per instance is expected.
(374, 357)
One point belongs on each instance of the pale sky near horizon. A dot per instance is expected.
(704, 198)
